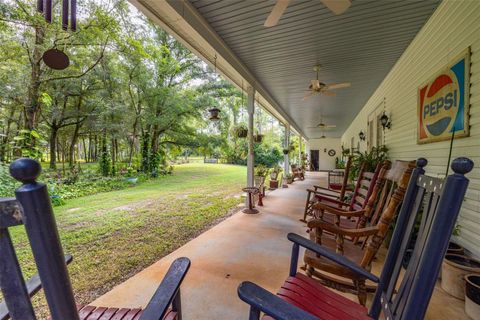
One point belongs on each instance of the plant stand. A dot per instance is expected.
(251, 191)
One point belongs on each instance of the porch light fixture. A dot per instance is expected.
(214, 114)
(361, 135)
(385, 121)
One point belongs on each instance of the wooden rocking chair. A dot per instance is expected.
(386, 183)
(32, 208)
(387, 203)
(361, 194)
(297, 172)
(334, 188)
(303, 298)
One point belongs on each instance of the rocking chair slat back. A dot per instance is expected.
(388, 185)
(439, 203)
(345, 178)
(365, 183)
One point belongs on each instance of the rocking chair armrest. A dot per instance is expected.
(315, 187)
(34, 284)
(338, 211)
(361, 232)
(331, 198)
(261, 300)
(331, 255)
(168, 290)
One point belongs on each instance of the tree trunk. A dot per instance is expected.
(53, 147)
(32, 106)
(71, 151)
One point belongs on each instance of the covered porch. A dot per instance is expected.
(245, 247)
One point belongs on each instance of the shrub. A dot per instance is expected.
(7, 183)
(267, 156)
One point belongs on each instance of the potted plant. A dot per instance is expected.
(258, 138)
(454, 269)
(260, 172)
(472, 296)
(289, 178)
(274, 177)
(241, 130)
(368, 158)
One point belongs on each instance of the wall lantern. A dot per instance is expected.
(385, 121)
(361, 135)
(214, 114)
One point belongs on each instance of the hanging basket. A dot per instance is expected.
(241, 132)
(258, 138)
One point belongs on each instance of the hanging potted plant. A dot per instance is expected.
(241, 130)
(258, 138)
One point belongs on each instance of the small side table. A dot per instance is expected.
(252, 191)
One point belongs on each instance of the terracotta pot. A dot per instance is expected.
(472, 296)
(273, 184)
(454, 269)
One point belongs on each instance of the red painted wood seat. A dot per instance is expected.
(309, 295)
(106, 313)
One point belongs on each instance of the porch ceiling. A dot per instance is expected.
(359, 46)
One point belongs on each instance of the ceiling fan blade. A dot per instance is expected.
(337, 6)
(276, 13)
(307, 97)
(330, 126)
(334, 86)
(329, 93)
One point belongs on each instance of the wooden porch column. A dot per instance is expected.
(251, 111)
(300, 143)
(286, 163)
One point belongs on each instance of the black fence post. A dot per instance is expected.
(42, 233)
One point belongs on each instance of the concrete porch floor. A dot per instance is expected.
(243, 247)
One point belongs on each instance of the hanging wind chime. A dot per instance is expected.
(55, 58)
(214, 111)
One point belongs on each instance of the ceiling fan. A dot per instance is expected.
(336, 6)
(322, 125)
(318, 87)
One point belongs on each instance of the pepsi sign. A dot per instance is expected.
(443, 102)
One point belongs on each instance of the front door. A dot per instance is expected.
(314, 158)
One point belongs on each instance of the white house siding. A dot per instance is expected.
(453, 27)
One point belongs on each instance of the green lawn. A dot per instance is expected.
(114, 235)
